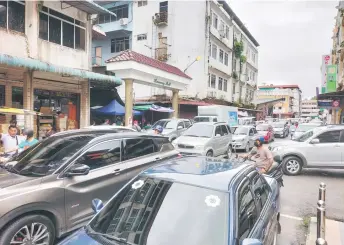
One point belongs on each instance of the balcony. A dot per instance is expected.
(97, 61)
(161, 54)
(160, 19)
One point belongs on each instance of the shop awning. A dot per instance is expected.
(113, 109)
(153, 107)
(332, 95)
(37, 65)
(16, 111)
(89, 6)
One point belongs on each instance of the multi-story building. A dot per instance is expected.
(309, 108)
(209, 43)
(290, 107)
(45, 58)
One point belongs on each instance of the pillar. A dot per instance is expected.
(175, 103)
(128, 102)
(28, 98)
(85, 104)
(8, 99)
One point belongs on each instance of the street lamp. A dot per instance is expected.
(198, 58)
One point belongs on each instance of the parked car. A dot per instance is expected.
(302, 128)
(244, 137)
(206, 139)
(47, 190)
(280, 129)
(266, 131)
(174, 202)
(117, 128)
(320, 147)
(173, 128)
(205, 119)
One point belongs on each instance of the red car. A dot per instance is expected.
(266, 131)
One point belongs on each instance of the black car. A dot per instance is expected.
(188, 201)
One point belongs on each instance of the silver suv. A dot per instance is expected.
(47, 190)
(320, 147)
(205, 138)
(173, 128)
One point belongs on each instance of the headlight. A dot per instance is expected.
(277, 148)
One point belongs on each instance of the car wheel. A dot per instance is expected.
(31, 229)
(229, 152)
(247, 147)
(210, 154)
(292, 165)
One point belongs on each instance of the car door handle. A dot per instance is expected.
(157, 158)
(117, 171)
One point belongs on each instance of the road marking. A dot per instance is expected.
(291, 217)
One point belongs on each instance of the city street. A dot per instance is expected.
(299, 198)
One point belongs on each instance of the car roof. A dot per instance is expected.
(212, 173)
(109, 127)
(211, 123)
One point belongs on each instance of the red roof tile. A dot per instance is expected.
(129, 55)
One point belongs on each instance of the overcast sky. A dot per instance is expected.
(293, 35)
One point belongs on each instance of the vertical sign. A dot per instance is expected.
(331, 78)
(326, 60)
(232, 118)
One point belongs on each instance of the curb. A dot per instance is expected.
(333, 235)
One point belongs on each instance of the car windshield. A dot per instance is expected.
(241, 131)
(200, 130)
(262, 127)
(305, 136)
(153, 211)
(168, 124)
(202, 119)
(304, 128)
(48, 155)
(278, 125)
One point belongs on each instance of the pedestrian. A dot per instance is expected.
(50, 131)
(11, 140)
(106, 122)
(136, 126)
(158, 130)
(27, 143)
(263, 157)
(14, 123)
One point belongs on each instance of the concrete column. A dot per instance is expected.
(85, 104)
(128, 102)
(31, 28)
(28, 98)
(175, 103)
(8, 99)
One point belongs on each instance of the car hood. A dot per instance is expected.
(8, 179)
(287, 143)
(238, 137)
(188, 140)
(278, 129)
(80, 238)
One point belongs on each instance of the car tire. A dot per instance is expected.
(247, 147)
(35, 223)
(292, 165)
(229, 152)
(210, 153)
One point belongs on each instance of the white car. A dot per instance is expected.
(119, 128)
(243, 137)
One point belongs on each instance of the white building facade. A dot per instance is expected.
(199, 42)
(309, 108)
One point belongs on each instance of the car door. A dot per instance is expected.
(226, 138)
(251, 137)
(247, 212)
(217, 142)
(328, 152)
(180, 131)
(107, 175)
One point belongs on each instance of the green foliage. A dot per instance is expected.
(238, 48)
(235, 75)
(243, 59)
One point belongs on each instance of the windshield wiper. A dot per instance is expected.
(9, 168)
(108, 236)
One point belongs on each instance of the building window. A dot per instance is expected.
(220, 83)
(12, 15)
(233, 88)
(164, 7)
(221, 56)
(214, 51)
(248, 53)
(222, 26)
(226, 59)
(142, 3)
(215, 21)
(234, 65)
(61, 29)
(253, 76)
(227, 32)
(253, 57)
(121, 11)
(141, 37)
(212, 81)
(119, 44)
(225, 84)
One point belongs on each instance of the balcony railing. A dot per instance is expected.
(160, 19)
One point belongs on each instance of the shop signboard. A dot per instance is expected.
(325, 103)
(233, 118)
(326, 60)
(331, 78)
(335, 103)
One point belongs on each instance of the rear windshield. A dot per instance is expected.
(202, 119)
(262, 127)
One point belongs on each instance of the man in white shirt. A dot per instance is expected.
(11, 140)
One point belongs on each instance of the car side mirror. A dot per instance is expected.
(251, 241)
(315, 141)
(77, 170)
(97, 205)
(179, 127)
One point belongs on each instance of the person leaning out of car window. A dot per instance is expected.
(27, 143)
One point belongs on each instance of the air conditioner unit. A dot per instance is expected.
(123, 21)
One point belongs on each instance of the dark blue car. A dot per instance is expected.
(188, 201)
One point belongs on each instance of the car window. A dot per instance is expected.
(187, 124)
(228, 128)
(141, 213)
(260, 189)
(181, 124)
(224, 130)
(200, 130)
(162, 144)
(251, 132)
(329, 136)
(218, 130)
(133, 148)
(247, 211)
(101, 155)
(214, 119)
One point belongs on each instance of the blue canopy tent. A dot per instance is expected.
(113, 109)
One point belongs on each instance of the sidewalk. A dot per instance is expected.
(334, 232)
